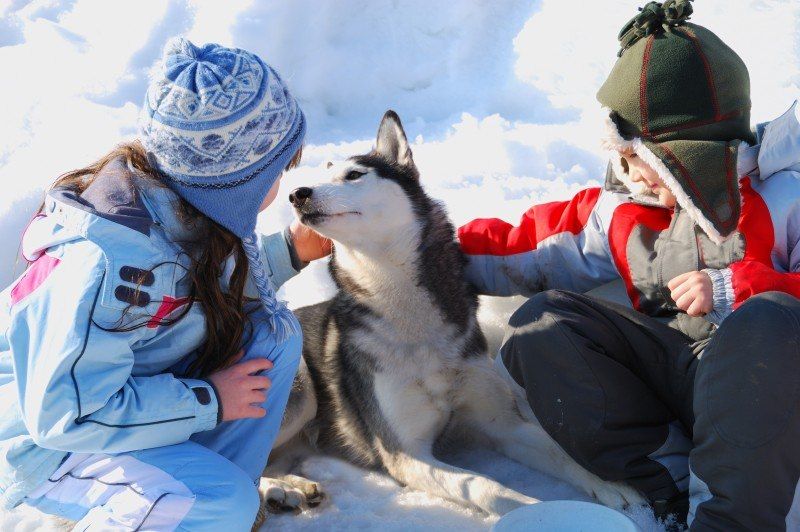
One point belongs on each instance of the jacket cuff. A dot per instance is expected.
(722, 283)
(220, 412)
(208, 410)
(276, 253)
(297, 264)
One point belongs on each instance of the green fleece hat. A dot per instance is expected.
(679, 98)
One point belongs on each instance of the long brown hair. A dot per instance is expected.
(226, 312)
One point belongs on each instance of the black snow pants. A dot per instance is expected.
(634, 400)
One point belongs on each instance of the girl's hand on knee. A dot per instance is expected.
(693, 292)
(240, 391)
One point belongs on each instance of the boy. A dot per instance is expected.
(697, 223)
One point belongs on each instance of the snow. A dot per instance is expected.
(496, 97)
(365, 501)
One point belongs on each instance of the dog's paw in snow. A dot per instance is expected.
(617, 495)
(289, 493)
(60, 524)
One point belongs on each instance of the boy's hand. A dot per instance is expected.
(693, 292)
(241, 392)
(309, 244)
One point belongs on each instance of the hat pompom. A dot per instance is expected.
(179, 46)
(654, 18)
(676, 12)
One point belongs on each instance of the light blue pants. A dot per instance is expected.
(207, 483)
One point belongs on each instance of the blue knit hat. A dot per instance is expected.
(221, 126)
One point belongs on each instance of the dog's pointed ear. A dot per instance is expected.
(392, 142)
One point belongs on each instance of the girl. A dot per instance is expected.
(695, 391)
(144, 360)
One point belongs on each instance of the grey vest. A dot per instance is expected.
(656, 257)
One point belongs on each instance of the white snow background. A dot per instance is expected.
(496, 96)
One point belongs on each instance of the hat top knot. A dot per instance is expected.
(210, 67)
(181, 49)
(654, 18)
(180, 46)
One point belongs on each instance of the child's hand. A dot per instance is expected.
(309, 244)
(240, 392)
(693, 292)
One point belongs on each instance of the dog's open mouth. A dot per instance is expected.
(310, 218)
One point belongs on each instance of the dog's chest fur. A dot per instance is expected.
(424, 366)
(412, 381)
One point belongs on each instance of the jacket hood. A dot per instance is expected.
(779, 147)
(44, 232)
(118, 202)
(68, 215)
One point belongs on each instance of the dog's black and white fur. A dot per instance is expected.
(395, 365)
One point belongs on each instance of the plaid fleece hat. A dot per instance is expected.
(679, 98)
(221, 126)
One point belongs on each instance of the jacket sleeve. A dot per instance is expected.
(734, 285)
(555, 245)
(281, 257)
(771, 227)
(73, 376)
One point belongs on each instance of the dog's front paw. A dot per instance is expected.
(60, 523)
(289, 493)
(616, 495)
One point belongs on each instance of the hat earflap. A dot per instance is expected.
(615, 143)
(681, 196)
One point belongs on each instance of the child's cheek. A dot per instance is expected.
(666, 198)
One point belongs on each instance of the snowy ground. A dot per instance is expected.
(497, 98)
(367, 501)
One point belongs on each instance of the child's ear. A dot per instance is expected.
(392, 142)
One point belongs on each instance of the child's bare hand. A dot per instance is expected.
(240, 392)
(309, 244)
(693, 292)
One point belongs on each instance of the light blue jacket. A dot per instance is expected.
(67, 384)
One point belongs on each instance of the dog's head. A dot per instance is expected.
(367, 199)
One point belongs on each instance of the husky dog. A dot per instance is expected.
(395, 365)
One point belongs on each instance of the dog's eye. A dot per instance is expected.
(352, 175)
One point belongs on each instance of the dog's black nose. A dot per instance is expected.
(300, 195)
